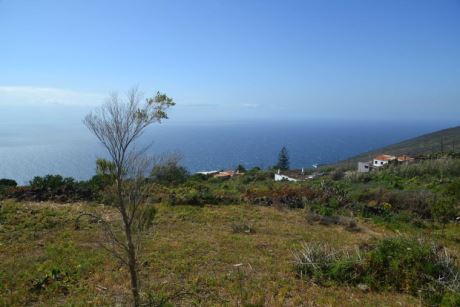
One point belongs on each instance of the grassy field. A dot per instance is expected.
(189, 259)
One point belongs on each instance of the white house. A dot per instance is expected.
(295, 175)
(382, 160)
(379, 161)
(281, 177)
(208, 173)
(365, 167)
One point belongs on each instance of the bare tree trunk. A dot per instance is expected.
(132, 264)
(131, 252)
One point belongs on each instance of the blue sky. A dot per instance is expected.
(236, 60)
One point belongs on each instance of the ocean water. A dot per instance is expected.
(28, 150)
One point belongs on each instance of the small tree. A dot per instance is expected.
(168, 171)
(8, 183)
(283, 160)
(240, 169)
(443, 210)
(118, 124)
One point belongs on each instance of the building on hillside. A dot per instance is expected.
(295, 175)
(365, 167)
(315, 175)
(382, 160)
(207, 173)
(405, 158)
(291, 175)
(379, 161)
(225, 174)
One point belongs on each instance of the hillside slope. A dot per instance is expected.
(442, 140)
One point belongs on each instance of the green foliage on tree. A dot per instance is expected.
(169, 171)
(283, 160)
(7, 183)
(104, 177)
(51, 182)
(240, 169)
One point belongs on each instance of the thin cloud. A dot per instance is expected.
(250, 105)
(199, 105)
(31, 95)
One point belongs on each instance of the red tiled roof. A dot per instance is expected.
(385, 158)
(225, 174)
(405, 158)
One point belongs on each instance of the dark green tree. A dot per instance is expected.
(8, 182)
(283, 159)
(168, 171)
(240, 169)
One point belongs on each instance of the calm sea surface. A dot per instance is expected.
(29, 150)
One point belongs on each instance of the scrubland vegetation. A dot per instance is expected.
(390, 237)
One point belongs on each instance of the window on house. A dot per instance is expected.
(381, 163)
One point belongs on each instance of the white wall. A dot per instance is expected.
(379, 163)
(279, 177)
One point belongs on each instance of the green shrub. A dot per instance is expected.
(284, 194)
(444, 209)
(240, 169)
(315, 261)
(7, 183)
(197, 178)
(398, 264)
(169, 174)
(56, 188)
(242, 226)
(168, 171)
(191, 196)
(355, 177)
(337, 174)
(440, 168)
(257, 175)
(349, 223)
(383, 202)
(453, 188)
(62, 269)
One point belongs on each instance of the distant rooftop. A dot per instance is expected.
(385, 158)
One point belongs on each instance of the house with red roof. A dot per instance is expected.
(382, 160)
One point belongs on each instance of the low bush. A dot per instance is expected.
(337, 174)
(348, 223)
(440, 167)
(444, 210)
(169, 174)
(257, 175)
(7, 183)
(355, 177)
(199, 196)
(382, 201)
(398, 264)
(55, 188)
(242, 226)
(287, 195)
